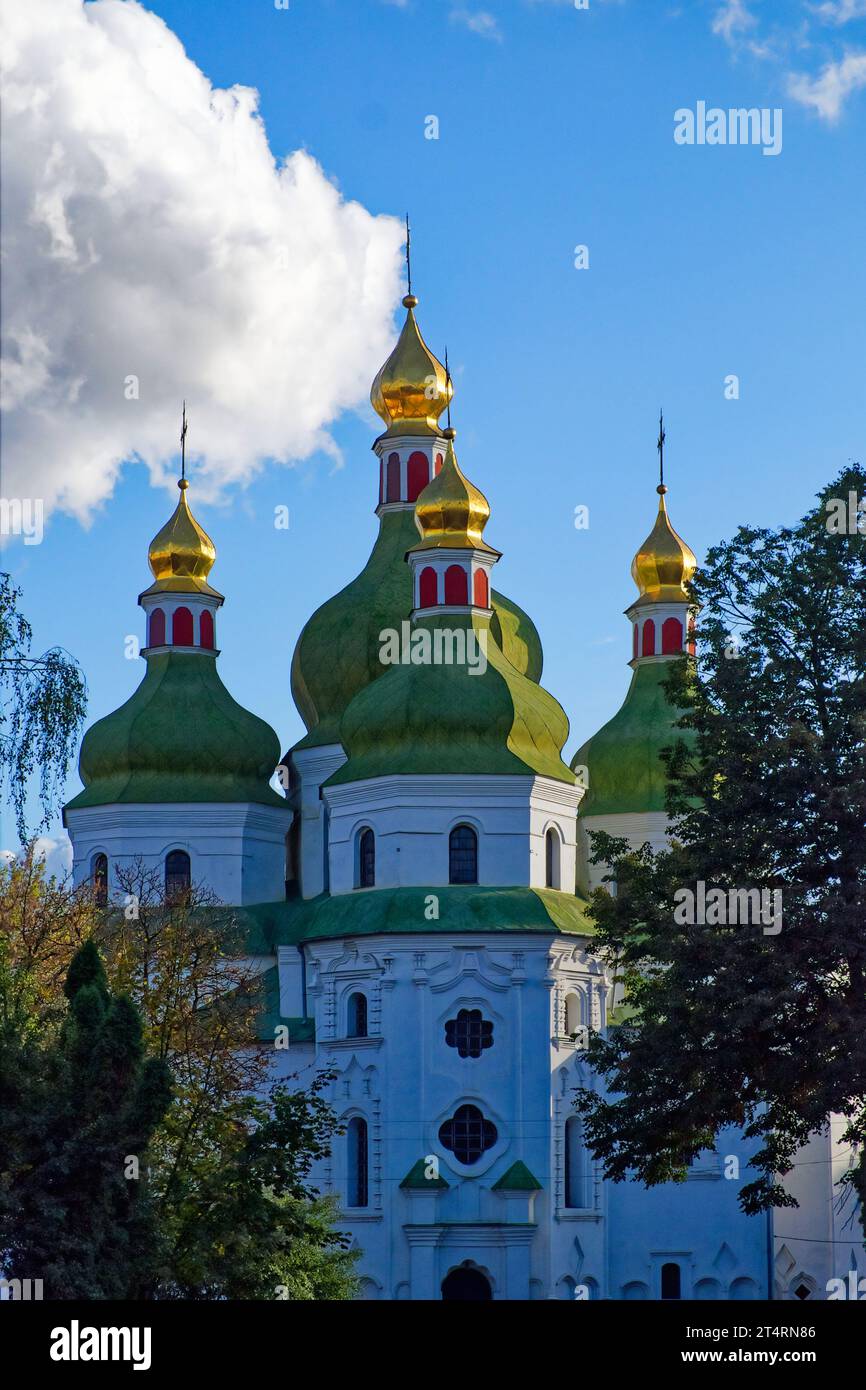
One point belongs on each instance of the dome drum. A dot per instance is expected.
(406, 466)
(445, 580)
(180, 620)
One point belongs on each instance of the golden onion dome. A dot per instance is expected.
(181, 555)
(412, 388)
(663, 566)
(451, 512)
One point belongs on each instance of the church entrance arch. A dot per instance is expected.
(466, 1284)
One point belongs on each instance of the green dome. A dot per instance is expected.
(180, 737)
(337, 653)
(440, 719)
(625, 773)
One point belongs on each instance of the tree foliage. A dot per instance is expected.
(79, 1103)
(733, 1024)
(43, 700)
(230, 1158)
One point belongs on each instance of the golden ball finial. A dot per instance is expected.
(663, 566)
(411, 389)
(181, 555)
(451, 512)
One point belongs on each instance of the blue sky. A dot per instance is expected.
(555, 129)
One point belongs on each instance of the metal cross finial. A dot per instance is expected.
(408, 255)
(447, 386)
(183, 443)
(660, 445)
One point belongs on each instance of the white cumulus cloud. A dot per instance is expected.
(149, 232)
(828, 92)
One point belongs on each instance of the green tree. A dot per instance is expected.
(250, 1226)
(79, 1106)
(229, 1160)
(733, 1024)
(43, 700)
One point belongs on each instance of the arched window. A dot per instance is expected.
(156, 628)
(356, 1018)
(573, 1014)
(463, 855)
(672, 636)
(356, 1143)
(480, 589)
(99, 879)
(576, 1167)
(206, 628)
(437, 467)
(552, 847)
(456, 585)
(181, 628)
(417, 475)
(671, 1281)
(649, 638)
(392, 489)
(428, 588)
(691, 634)
(177, 875)
(366, 876)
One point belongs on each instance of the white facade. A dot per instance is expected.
(405, 1082)
(237, 850)
(412, 817)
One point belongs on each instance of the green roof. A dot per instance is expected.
(402, 911)
(624, 768)
(337, 653)
(179, 737)
(450, 718)
(517, 1179)
(416, 1180)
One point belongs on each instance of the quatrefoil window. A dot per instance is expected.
(469, 1033)
(467, 1134)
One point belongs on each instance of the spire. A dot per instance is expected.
(411, 389)
(182, 554)
(664, 564)
(183, 429)
(660, 445)
(408, 259)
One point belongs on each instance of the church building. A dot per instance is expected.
(415, 896)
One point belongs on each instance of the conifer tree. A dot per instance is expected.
(79, 1107)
